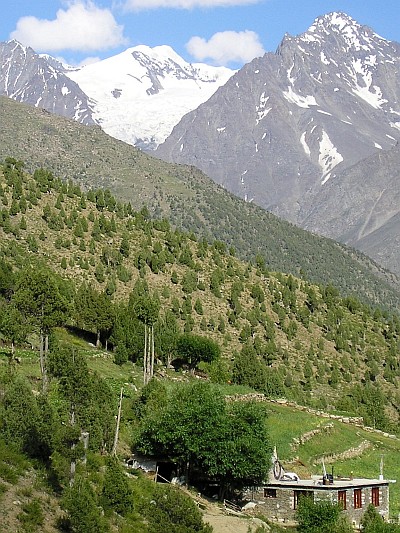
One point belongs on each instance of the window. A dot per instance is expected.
(342, 499)
(375, 496)
(298, 494)
(357, 499)
(269, 493)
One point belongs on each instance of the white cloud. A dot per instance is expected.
(88, 61)
(81, 26)
(136, 5)
(227, 46)
(78, 64)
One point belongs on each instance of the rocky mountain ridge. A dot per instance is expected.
(289, 124)
(27, 77)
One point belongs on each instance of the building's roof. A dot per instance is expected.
(316, 482)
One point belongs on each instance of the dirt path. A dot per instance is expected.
(223, 523)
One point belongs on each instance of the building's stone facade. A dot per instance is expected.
(278, 500)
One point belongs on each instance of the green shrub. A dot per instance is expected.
(171, 510)
(32, 516)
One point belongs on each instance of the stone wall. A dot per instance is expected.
(355, 420)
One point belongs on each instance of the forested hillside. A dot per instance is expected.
(189, 200)
(110, 258)
(82, 267)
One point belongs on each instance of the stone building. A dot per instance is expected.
(278, 499)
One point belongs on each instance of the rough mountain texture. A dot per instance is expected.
(366, 213)
(41, 81)
(293, 125)
(137, 96)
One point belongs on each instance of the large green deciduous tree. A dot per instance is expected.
(198, 431)
(195, 348)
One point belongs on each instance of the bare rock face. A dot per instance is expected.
(295, 132)
(41, 81)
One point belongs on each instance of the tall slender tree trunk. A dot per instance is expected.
(42, 362)
(187, 473)
(98, 340)
(46, 351)
(221, 492)
(152, 352)
(73, 462)
(41, 354)
(114, 448)
(85, 440)
(148, 357)
(145, 356)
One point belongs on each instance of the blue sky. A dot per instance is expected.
(219, 32)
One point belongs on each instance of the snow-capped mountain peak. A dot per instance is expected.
(141, 93)
(287, 124)
(354, 35)
(137, 96)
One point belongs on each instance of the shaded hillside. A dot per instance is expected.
(368, 217)
(188, 199)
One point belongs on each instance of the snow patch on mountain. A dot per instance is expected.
(365, 90)
(301, 101)
(329, 157)
(261, 110)
(304, 144)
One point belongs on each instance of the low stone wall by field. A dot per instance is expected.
(347, 454)
(354, 420)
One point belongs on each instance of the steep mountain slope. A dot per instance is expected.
(288, 124)
(136, 96)
(39, 81)
(188, 198)
(366, 214)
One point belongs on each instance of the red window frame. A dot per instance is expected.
(342, 499)
(357, 499)
(375, 496)
(298, 494)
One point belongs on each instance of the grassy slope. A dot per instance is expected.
(285, 423)
(188, 199)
